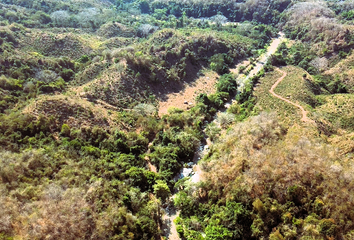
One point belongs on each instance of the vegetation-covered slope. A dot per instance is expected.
(264, 180)
(85, 155)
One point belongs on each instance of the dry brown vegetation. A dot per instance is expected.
(55, 213)
(74, 43)
(260, 158)
(315, 22)
(336, 113)
(114, 87)
(110, 30)
(49, 44)
(73, 111)
(66, 208)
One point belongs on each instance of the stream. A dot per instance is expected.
(192, 170)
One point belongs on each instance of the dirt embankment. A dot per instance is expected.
(186, 98)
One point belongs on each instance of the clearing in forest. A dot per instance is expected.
(186, 98)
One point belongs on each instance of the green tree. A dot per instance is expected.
(217, 232)
(226, 83)
(161, 190)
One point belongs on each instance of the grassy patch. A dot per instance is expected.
(293, 87)
(337, 110)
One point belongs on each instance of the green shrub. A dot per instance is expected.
(65, 130)
(349, 15)
(328, 228)
(67, 74)
(90, 150)
(217, 232)
(84, 59)
(226, 83)
(42, 17)
(241, 69)
(161, 190)
(219, 63)
(218, 99)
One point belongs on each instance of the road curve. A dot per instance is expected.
(303, 111)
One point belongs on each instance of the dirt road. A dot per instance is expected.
(261, 61)
(171, 231)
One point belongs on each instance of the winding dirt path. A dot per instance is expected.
(303, 111)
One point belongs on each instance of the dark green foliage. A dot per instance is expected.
(144, 179)
(227, 83)
(330, 84)
(234, 217)
(8, 36)
(213, 101)
(161, 190)
(231, 11)
(299, 55)
(17, 128)
(67, 74)
(144, 6)
(84, 59)
(328, 228)
(186, 203)
(217, 100)
(42, 17)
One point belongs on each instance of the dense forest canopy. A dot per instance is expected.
(166, 119)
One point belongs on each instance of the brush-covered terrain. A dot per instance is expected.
(104, 103)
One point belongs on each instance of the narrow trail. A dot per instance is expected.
(303, 111)
(171, 232)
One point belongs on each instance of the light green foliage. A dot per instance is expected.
(145, 109)
(217, 232)
(225, 119)
(161, 190)
(219, 63)
(65, 130)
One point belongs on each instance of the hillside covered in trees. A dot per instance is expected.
(166, 119)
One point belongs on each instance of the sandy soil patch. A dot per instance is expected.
(204, 84)
(169, 219)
